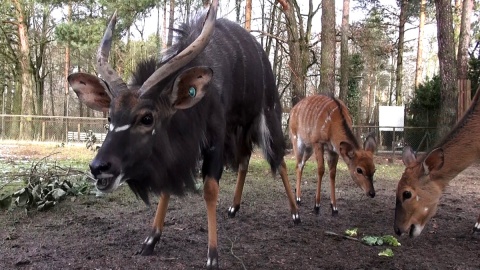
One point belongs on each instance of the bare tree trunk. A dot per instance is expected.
(67, 71)
(344, 65)
(448, 69)
(327, 54)
(171, 21)
(237, 10)
(248, 14)
(464, 86)
(295, 62)
(26, 128)
(401, 39)
(419, 64)
(164, 31)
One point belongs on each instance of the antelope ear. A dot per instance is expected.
(370, 144)
(408, 156)
(346, 150)
(434, 161)
(91, 91)
(190, 87)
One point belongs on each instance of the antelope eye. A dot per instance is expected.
(359, 171)
(407, 195)
(109, 119)
(147, 120)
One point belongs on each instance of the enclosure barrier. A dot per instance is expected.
(77, 129)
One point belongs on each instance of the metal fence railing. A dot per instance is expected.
(76, 129)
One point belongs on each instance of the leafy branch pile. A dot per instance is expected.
(45, 185)
(370, 240)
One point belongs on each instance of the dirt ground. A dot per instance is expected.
(91, 232)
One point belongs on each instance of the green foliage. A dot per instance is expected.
(380, 240)
(354, 92)
(44, 185)
(423, 111)
(387, 253)
(425, 104)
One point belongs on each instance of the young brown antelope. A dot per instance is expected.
(321, 124)
(425, 178)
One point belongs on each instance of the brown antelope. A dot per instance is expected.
(319, 124)
(424, 179)
(213, 96)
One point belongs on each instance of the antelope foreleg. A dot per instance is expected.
(320, 172)
(237, 198)
(332, 162)
(158, 222)
(210, 194)
(289, 192)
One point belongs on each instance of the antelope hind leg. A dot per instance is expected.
(237, 198)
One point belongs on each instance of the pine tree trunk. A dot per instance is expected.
(26, 129)
(327, 54)
(344, 66)
(170, 23)
(464, 86)
(448, 69)
(248, 15)
(419, 64)
(401, 39)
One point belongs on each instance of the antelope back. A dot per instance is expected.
(325, 120)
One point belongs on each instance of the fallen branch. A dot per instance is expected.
(329, 233)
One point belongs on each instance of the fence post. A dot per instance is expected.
(43, 131)
(78, 129)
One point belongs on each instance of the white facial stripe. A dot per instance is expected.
(112, 127)
(477, 225)
(122, 128)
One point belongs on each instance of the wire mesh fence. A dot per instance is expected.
(78, 129)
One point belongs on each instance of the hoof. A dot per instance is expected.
(149, 244)
(296, 219)
(334, 210)
(212, 259)
(476, 228)
(232, 211)
(298, 200)
(316, 209)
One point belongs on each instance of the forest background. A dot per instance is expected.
(369, 53)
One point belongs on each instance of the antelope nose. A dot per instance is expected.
(397, 230)
(98, 167)
(371, 193)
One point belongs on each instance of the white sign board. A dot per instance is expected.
(390, 117)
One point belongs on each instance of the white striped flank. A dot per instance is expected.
(122, 128)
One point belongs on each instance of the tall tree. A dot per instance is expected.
(26, 83)
(421, 27)
(170, 23)
(298, 45)
(401, 40)
(464, 86)
(344, 57)
(248, 15)
(448, 69)
(327, 54)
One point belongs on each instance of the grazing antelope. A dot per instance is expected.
(213, 97)
(424, 179)
(319, 124)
